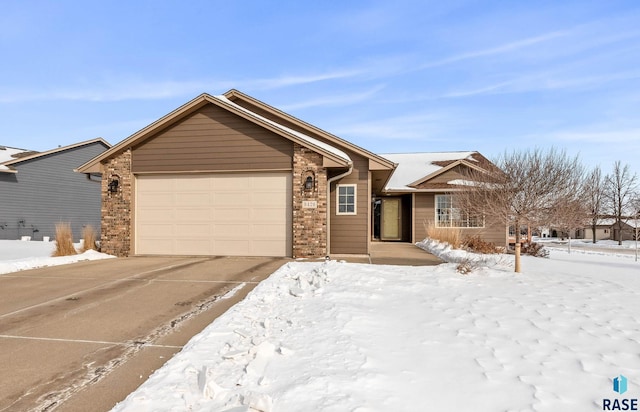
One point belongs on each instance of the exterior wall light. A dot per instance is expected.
(308, 183)
(113, 185)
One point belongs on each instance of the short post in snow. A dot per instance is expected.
(518, 247)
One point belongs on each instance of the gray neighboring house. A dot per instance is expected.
(38, 190)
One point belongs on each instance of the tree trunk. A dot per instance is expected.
(593, 231)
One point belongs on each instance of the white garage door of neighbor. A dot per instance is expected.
(236, 214)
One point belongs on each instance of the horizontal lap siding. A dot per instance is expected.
(449, 175)
(46, 191)
(212, 139)
(425, 212)
(350, 233)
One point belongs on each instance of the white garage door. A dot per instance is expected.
(215, 214)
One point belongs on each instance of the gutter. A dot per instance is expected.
(329, 181)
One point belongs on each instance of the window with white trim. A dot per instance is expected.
(448, 215)
(346, 200)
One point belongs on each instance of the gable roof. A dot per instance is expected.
(379, 162)
(333, 153)
(57, 150)
(7, 154)
(417, 168)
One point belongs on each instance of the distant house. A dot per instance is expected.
(38, 190)
(608, 229)
(231, 175)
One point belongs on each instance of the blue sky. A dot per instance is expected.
(401, 76)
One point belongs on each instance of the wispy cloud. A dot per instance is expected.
(502, 49)
(335, 99)
(295, 80)
(629, 135)
(114, 89)
(544, 81)
(417, 126)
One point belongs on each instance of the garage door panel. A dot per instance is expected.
(232, 199)
(216, 214)
(230, 247)
(230, 214)
(269, 215)
(193, 199)
(154, 198)
(157, 247)
(193, 247)
(184, 232)
(232, 231)
(187, 215)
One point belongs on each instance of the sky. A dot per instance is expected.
(392, 77)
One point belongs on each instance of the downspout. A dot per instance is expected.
(329, 181)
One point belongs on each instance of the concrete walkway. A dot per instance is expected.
(393, 253)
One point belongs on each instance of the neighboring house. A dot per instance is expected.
(38, 190)
(607, 228)
(231, 175)
(420, 192)
(603, 230)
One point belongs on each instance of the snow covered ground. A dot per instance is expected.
(18, 255)
(335, 336)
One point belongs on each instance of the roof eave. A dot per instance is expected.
(57, 150)
(331, 137)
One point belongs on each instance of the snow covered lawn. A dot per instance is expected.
(18, 255)
(335, 336)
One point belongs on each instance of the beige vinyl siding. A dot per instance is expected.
(350, 233)
(212, 139)
(425, 212)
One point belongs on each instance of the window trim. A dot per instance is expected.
(355, 199)
(451, 208)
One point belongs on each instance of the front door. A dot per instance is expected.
(390, 216)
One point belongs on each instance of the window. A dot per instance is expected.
(448, 215)
(346, 201)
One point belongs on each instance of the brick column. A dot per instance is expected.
(309, 206)
(115, 238)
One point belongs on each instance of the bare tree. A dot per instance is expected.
(523, 189)
(594, 198)
(568, 214)
(621, 189)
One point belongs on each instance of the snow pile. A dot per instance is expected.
(336, 336)
(16, 255)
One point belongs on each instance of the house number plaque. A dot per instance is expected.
(309, 204)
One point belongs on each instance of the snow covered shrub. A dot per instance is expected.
(64, 240)
(89, 236)
(477, 245)
(534, 249)
(449, 235)
(465, 267)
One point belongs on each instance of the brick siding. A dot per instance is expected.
(309, 223)
(116, 207)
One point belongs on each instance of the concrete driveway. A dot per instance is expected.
(82, 337)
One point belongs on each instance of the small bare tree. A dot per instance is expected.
(621, 189)
(594, 198)
(522, 190)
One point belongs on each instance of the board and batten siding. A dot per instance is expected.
(425, 212)
(46, 191)
(213, 139)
